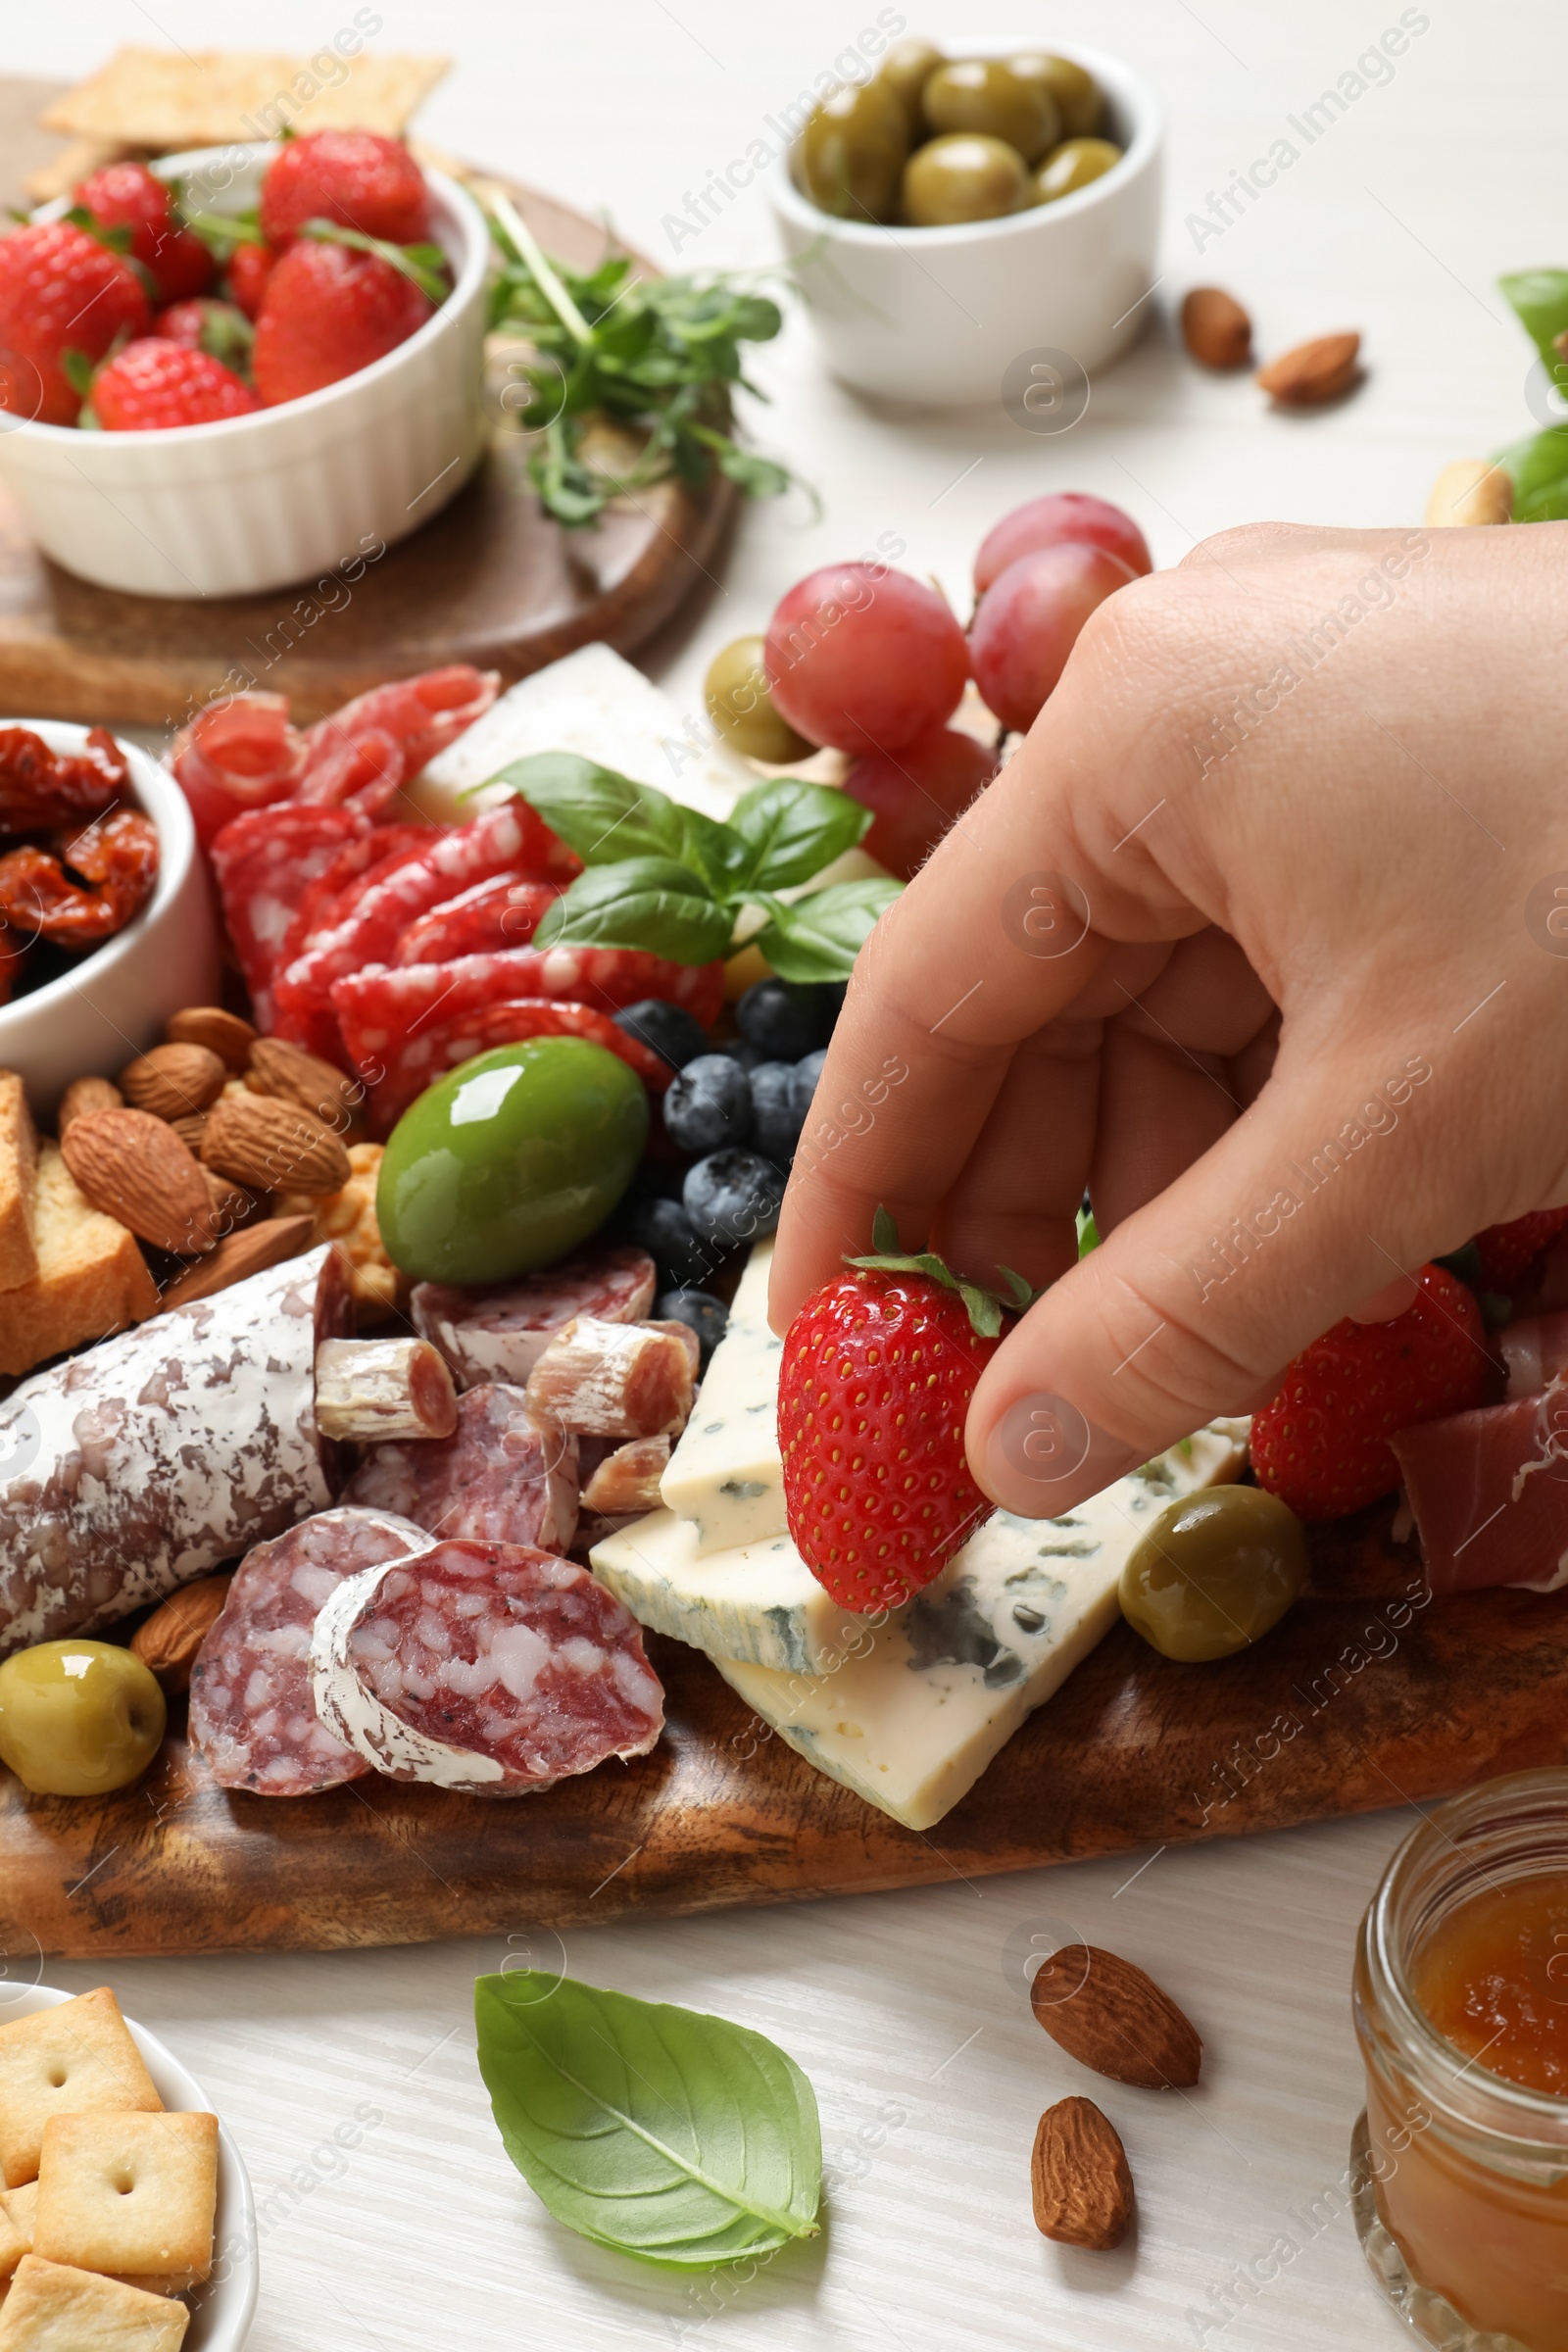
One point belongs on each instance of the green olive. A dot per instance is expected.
(510, 1160)
(78, 1718)
(963, 177)
(906, 69)
(852, 151)
(982, 94)
(1073, 164)
(740, 704)
(1074, 94)
(1213, 1573)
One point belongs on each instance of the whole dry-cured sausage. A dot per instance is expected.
(490, 1668)
(252, 1713)
(146, 1460)
(499, 1477)
(499, 1333)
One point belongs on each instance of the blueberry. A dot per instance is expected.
(775, 1119)
(786, 1020)
(803, 1085)
(708, 1105)
(738, 1050)
(732, 1197)
(671, 1030)
(664, 1229)
(700, 1311)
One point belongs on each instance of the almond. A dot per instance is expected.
(172, 1081)
(1312, 372)
(87, 1094)
(190, 1129)
(221, 1032)
(1109, 2015)
(1216, 328)
(1083, 2189)
(273, 1146)
(285, 1072)
(134, 1167)
(169, 1641)
(1469, 491)
(232, 1205)
(238, 1256)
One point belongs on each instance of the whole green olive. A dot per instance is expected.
(963, 177)
(510, 1160)
(906, 69)
(740, 704)
(1073, 164)
(981, 94)
(1213, 1573)
(850, 155)
(78, 1718)
(1074, 92)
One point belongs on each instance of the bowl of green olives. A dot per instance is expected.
(956, 217)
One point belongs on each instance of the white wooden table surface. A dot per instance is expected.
(929, 2070)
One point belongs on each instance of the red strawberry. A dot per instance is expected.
(354, 177)
(328, 313)
(219, 328)
(249, 268)
(154, 385)
(60, 291)
(1507, 1251)
(875, 1381)
(1322, 1445)
(129, 196)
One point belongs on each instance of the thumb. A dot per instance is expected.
(1196, 1303)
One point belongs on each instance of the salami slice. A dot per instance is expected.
(442, 1045)
(490, 1668)
(418, 717)
(266, 863)
(361, 861)
(499, 1478)
(498, 914)
(501, 1333)
(238, 754)
(252, 1712)
(147, 1460)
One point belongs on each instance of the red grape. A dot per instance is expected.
(1064, 517)
(916, 791)
(1028, 621)
(864, 657)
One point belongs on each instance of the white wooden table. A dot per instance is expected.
(929, 2070)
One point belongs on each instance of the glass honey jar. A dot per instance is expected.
(1461, 2175)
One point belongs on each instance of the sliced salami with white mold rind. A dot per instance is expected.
(499, 1333)
(499, 1477)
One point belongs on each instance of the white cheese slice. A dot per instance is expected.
(916, 1709)
(725, 1474)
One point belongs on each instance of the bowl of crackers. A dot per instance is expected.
(127, 2217)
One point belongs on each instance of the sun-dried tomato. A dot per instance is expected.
(39, 787)
(117, 857)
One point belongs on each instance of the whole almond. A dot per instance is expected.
(232, 1205)
(286, 1071)
(1216, 328)
(190, 1129)
(1312, 372)
(1109, 2015)
(221, 1032)
(240, 1254)
(172, 1081)
(87, 1094)
(134, 1167)
(1472, 490)
(1083, 2189)
(273, 1146)
(169, 1640)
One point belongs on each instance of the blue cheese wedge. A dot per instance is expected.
(725, 1475)
(757, 1602)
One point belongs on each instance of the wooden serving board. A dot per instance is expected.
(1351, 1705)
(490, 580)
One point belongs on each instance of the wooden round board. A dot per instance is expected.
(490, 580)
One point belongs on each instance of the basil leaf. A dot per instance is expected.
(1539, 467)
(650, 902)
(792, 829)
(1540, 297)
(820, 937)
(681, 2139)
(595, 810)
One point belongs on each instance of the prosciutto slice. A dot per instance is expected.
(1489, 1493)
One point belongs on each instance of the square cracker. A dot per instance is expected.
(128, 2193)
(53, 2309)
(20, 2207)
(165, 100)
(59, 2061)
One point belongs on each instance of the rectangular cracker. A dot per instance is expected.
(92, 1277)
(167, 101)
(52, 2308)
(59, 2061)
(20, 2208)
(70, 164)
(129, 2193)
(18, 1161)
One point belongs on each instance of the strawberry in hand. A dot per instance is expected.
(877, 1373)
(1322, 1445)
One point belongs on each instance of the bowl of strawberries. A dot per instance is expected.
(241, 367)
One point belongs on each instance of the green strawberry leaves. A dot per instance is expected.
(985, 1307)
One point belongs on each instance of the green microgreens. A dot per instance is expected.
(222, 232)
(986, 1307)
(424, 265)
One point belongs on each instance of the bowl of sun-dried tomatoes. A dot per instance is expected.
(106, 921)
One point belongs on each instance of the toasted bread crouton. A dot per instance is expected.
(91, 1280)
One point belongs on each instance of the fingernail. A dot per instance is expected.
(1044, 1456)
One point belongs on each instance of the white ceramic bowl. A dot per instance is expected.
(261, 501)
(114, 1005)
(221, 2310)
(990, 311)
